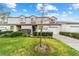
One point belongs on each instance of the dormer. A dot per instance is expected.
(33, 19)
(22, 16)
(53, 19)
(22, 19)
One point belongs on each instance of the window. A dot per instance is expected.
(45, 28)
(53, 27)
(33, 21)
(22, 20)
(52, 22)
(11, 28)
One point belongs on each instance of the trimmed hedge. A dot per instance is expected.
(3, 32)
(43, 33)
(70, 34)
(12, 34)
(65, 33)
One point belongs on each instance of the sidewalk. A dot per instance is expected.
(74, 43)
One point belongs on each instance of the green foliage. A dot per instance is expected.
(24, 46)
(12, 34)
(74, 35)
(15, 34)
(43, 33)
(65, 33)
(3, 32)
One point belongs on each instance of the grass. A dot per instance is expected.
(24, 46)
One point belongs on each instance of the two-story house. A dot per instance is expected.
(33, 23)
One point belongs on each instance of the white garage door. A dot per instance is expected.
(74, 29)
(55, 30)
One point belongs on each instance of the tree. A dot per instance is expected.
(42, 14)
(3, 13)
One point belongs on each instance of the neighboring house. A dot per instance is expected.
(32, 23)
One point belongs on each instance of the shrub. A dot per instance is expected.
(65, 33)
(13, 34)
(3, 32)
(43, 33)
(70, 34)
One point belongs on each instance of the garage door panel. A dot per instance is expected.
(55, 30)
(74, 29)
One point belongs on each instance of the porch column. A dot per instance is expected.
(15, 28)
(31, 31)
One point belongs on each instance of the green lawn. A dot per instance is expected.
(24, 46)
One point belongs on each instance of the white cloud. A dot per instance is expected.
(64, 14)
(70, 12)
(11, 4)
(14, 10)
(75, 5)
(70, 8)
(51, 7)
(24, 10)
(39, 6)
(52, 14)
(27, 15)
(47, 7)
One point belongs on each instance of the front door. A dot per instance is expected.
(34, 28)
(19, 27)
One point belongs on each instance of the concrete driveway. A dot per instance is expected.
(74, 43)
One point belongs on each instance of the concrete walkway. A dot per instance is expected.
(74, 43)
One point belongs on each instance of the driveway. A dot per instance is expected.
(74, 43)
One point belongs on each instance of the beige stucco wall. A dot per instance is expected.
(13, 20)
(45, 20)
(17, 20)
(26, 27)
(28, 20)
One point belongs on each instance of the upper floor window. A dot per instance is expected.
(53, 19)
(11, 27)
(33, 19)
(22, 19)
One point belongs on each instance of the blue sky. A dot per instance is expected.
(63, 11)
